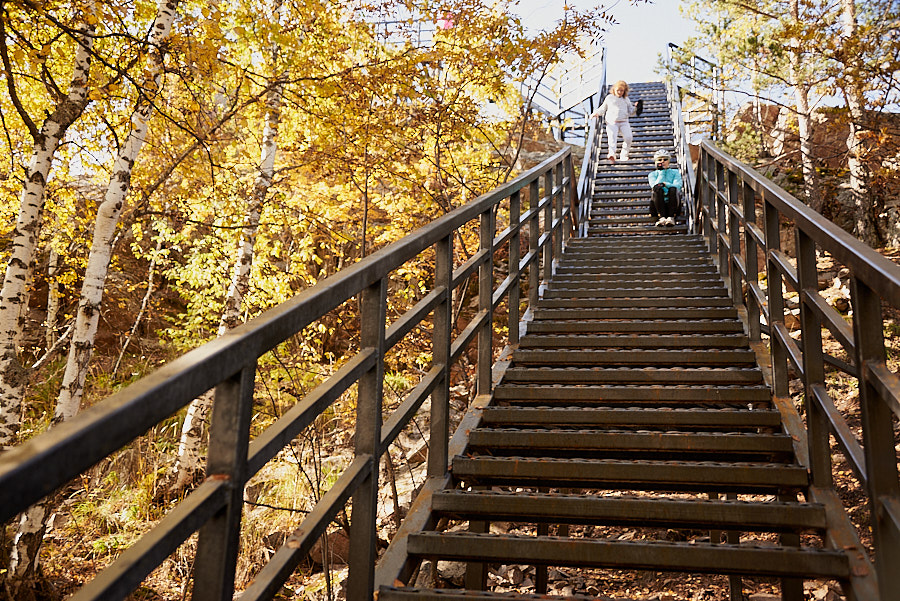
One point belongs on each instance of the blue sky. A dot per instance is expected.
(633, 45)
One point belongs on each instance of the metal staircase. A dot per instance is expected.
(633, 408)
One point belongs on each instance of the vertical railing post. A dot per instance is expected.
(775, 298)
(534, 234)
(219, 539)
(721, 219)
(363, 522)
(734, 239)
(813, 362)
(515, 246)
(485, 303)
(707, 200)
(559, 195)
(547, 232)
(575, 205)
(878, 436)
(751, 264)
(570, 195)
(439, 438)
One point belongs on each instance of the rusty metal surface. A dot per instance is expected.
(508, 440)
(659, 555)
(631, 475)
(773, 516)
(693, 418)
(636, 394)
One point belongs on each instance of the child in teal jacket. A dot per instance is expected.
(665, 183)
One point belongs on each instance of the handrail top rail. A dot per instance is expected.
(696, 56)
(879, 272)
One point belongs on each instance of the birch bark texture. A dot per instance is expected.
(32, 525)
(82, 346)
(801, 97)
(189, 457)
(854, 89)
(25, 235)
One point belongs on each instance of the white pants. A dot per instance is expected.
(612, 138)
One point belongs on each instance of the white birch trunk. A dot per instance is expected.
(28, 539)
(856, 102)
(52, 300)
(88, 316)
(189, 460)
(801, 97)
(25, 235)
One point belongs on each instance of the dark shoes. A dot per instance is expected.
(639, 108)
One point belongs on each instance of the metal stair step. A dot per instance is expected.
(571, 273)
(701, 302)
(698, 476)
(769, 516)
(640, 292)
(579, 341)
(636, 242)
(647, 555)
(532, 441)
(596, 265)
(645, 314)
(579, 323)
(646, 394)
(597, 229)
(633, 356)
(635, 417)
(635, 280)
(652, 257)
(637, 375)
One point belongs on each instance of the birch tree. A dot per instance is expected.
(799, 80)
(46, 140)
(854, 89)
(749, 41)
(189, 456)
(28, 538)
(107, 220)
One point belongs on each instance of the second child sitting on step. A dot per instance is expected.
(665, 182)
(617, 108)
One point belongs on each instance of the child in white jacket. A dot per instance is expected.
(618, 108)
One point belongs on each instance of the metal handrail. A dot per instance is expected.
(590, 162)
(729, 193)
(570, 91)
(50, 460)
(710, 78)
(587, 178)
